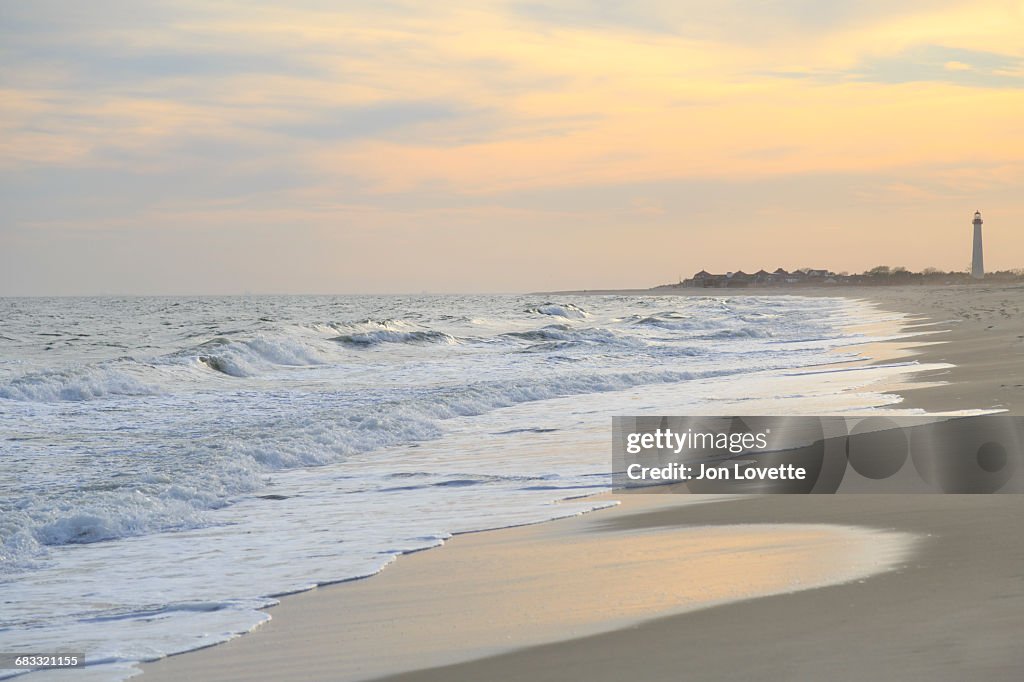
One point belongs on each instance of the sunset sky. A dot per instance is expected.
(387, 146)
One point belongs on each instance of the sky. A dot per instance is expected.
(385, 146)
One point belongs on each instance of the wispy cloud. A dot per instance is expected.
(926, 63)
(371, 125)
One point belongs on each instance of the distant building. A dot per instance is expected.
(978, 259)
(761, 278)
(738, 279)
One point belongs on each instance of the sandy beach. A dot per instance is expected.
(851, 587)
(299, 380)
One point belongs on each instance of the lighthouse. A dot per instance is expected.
(978, 262)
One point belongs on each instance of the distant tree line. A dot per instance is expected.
(880, 275)
(884, 274)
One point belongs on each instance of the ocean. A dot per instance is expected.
(168, 466)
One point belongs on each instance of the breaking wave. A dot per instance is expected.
(251, 357)
(74, 384)
(569, 334)
(373, 338)
(233, 466)
(567, 310)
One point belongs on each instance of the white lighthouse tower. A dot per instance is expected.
(978, 262)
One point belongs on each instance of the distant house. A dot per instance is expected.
(807, 277)
(738, 279)
(761, 278)
(704, 279)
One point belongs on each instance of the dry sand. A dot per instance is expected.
(610, 596)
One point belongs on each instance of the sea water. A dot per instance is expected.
(169, 465)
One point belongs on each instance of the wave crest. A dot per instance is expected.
(567, 310)
(79, 383)
(250, 357)
(373, 338)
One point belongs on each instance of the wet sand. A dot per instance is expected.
(493, 592)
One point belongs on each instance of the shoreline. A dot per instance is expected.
(600, 654)
(984, 340)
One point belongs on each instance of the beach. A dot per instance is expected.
(790, 588)
(299, 380)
